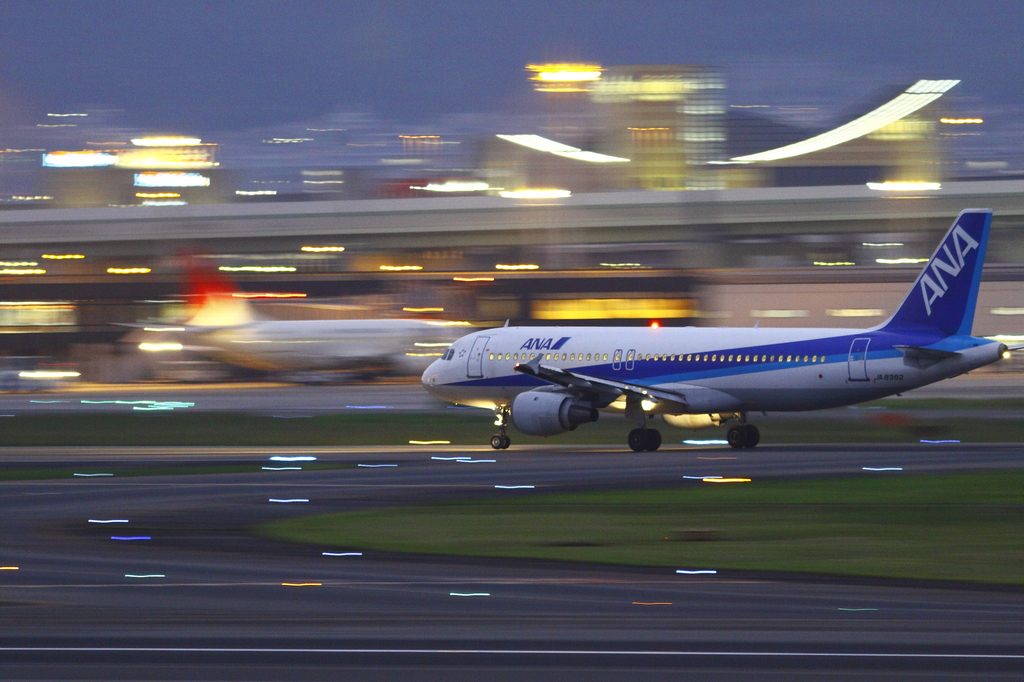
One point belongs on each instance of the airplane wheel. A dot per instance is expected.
(637, 440)
(505, 442)
(736, 435)
(498, 442)
(751, 436)
(653, 440)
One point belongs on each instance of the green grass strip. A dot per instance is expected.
(461, 427)
(963, 527)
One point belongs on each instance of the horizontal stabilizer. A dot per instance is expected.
(922, 352)
(923, 358)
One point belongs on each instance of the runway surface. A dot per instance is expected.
(202, 598)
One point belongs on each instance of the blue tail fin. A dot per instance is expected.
(945, 293)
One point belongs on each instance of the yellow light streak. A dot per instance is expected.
(855, 312)
(900, 261)
(960, 121)
(904, 186)
(442, 344)
(157, 195)
(829, 264)
(128, 271)
(322, 249)
(166, 141)
(8, 568)
(65, 256)
(424, 355)
(267, 294)
(302, 584)
(430, 442)
(160, 347)
(400, 268)
(443, 323)
(423, 310)
(18, 263)
(611, 308)
(163, 329)
(726, 480)
(9, 271)
(524, 266)
(257, 268)
(473, 279)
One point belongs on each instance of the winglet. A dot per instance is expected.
(945, 294)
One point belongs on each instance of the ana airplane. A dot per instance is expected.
(227, 327)
(548, 380)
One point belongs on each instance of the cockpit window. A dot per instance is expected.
(449, 354)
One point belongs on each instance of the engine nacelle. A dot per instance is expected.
(696, 421)
(539, 413)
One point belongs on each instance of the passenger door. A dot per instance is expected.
(858, 361)
(475, 364)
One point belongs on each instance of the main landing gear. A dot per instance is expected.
(644, 440)
(501, 441)
(743, 436)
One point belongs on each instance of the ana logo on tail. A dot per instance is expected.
(932, 290)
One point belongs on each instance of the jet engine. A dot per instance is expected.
(696, 421)
(540, 413)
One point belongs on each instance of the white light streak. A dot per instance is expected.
(542, 144)
(919, 95)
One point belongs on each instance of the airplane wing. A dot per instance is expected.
(601, 391)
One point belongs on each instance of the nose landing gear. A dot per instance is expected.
(501, 441)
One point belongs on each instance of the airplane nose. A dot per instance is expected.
(429, 377)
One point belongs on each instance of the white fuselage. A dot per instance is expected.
(714, 369)
(326, 344)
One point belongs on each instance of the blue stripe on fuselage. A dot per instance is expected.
(650, 372)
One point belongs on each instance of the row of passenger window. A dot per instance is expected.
(691, 357)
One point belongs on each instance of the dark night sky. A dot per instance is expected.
(209, 65)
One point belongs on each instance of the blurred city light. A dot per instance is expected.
(400, 268)
(171, 179)
(67, 256)
(78, 159)
(960, 121)
(257, 268)
(525, 266)
(563, 77)
(456, 186)
(323, 249)
(41, 374)
(128, 271)
(900, 261)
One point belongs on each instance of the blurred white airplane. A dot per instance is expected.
(227, 327)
